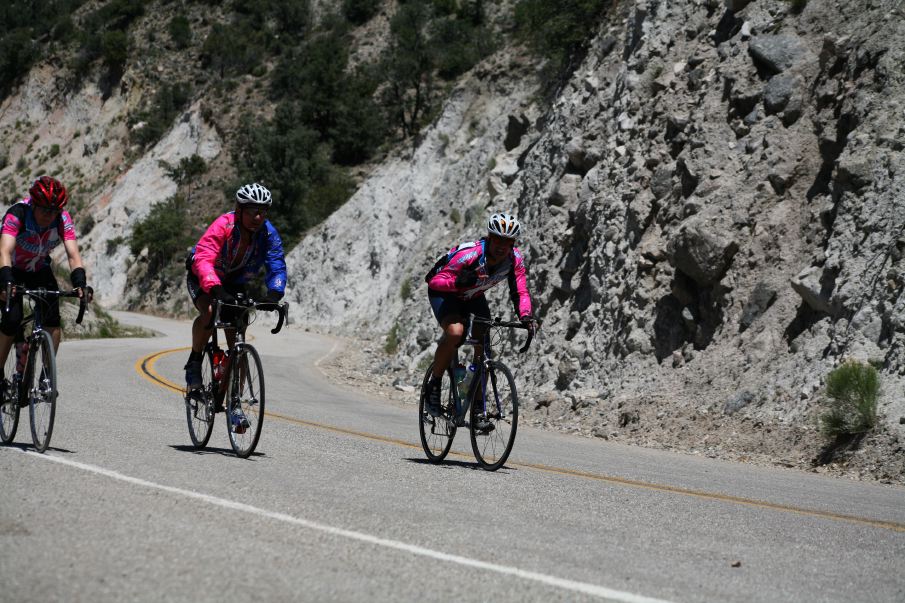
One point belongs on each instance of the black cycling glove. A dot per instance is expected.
(530, 323)
(218, 292)
(78, 278)
(273, 296)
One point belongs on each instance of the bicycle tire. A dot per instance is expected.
(492, 446)
(246, 374)
(42, 390)
(9, 400)
(437, 433)
(199, 404)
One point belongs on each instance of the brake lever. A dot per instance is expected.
(282, 310)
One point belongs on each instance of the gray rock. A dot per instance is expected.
(778, 91)
(737, 402)
(661, 181)
(762, 297)
(701, 253)
(566, 193)
(815, 289)
(776, 53)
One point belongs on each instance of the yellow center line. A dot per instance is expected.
(145, 367)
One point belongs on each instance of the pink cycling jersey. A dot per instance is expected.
(470, 256)
(33, 243)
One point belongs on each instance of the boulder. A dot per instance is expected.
(701, 252)
(776, 53)
(778, 91)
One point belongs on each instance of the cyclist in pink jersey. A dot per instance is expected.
(456, 287)
(230, 253)
(31, 229)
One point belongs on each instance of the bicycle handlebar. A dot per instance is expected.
(510, 324)
(281, 307)
(41, 293)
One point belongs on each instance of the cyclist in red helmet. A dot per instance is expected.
(31, 229)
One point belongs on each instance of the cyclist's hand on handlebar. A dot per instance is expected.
(273, 297)
(87, 292)
(530, 323)
(219, 293)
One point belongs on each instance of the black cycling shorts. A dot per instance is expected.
(448, 304)
(50, 311)
(195, 291)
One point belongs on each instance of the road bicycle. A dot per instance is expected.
(233, 377)
(491, 398)
(30, 373)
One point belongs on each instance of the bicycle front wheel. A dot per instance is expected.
(9, 400)
(199, 404)
(245, 401)
(42, 390)
(437, 433)
(494, 419)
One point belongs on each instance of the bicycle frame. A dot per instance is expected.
(481, 369)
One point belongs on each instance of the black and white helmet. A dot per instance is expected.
(504, 225)
(253, 194)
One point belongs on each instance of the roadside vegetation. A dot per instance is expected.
(852, 391)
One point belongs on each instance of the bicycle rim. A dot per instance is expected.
(42, 391)
(492, 445)
(245, 394)
(199, 408)
(437, 433)
(9, 400)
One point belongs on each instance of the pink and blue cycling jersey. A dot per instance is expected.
(33, 243)
(217, 262)
(470, 256)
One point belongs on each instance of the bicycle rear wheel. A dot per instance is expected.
(42, 390)
(437, 433)
(199, 404)
(493, 425)
(245, 401)
(9, 400)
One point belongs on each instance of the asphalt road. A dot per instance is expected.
(338, 504)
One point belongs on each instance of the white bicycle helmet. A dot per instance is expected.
(253, 194)
(504, 225)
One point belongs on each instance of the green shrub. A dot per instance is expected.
(406, 288)
(115, 50)
(180, 31)
(164, 232)
(798, 5)
(392, 342)
(166, 105)
(559, 31)
(187, 169)
(360, 12)
(852, 390)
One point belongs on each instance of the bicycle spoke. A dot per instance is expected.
(9, 399)
(42, 391)
(245, 408)
(437, 433)
(199, 405)
(493, 431)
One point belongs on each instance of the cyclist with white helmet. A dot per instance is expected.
(229, 254)
(456, 287)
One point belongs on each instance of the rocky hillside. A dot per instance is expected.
(713, 207)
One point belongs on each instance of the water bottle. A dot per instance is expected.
(466, 382)
(219, 364)
(459, 375)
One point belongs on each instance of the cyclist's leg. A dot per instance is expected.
(450, 313)
(200, 332)
(10, 322)
(50, 317)
(479, 307)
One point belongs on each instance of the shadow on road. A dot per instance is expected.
(448, 464)
(26, 447)
(220, 451)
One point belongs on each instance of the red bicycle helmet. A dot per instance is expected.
(48, 192)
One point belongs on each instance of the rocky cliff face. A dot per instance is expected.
(713, 208)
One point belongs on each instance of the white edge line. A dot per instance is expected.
(572, 585)
(317, 362)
